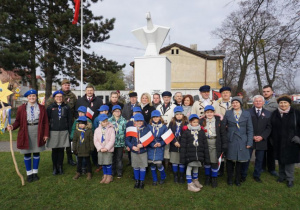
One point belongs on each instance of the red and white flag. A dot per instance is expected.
(131, 131)
(147, 139)
(89, 113)
(76, 14)
(168, 136)
(220, 161)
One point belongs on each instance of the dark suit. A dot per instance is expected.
(261, 127)
(127, 111)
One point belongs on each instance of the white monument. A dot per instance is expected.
(152, 71)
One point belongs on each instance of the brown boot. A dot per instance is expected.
(103, 179)
(193, 188)
(77, 175)
(89, 176)
(197, 183)
(108, 179)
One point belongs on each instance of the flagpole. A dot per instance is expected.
(81, 57)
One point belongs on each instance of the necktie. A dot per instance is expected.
(209, 130)
(103, 135)
(132, 107)
(59, 111)
(237, 120)
(227, 104)
(32, 113)
(258, 113)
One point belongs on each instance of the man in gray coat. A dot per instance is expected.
(270, 105)
(127, 109)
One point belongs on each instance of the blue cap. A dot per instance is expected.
(29, 92)
(103, 108)
(137, 109)
(82, 119)
(204, 88)
(155, 113)
(57, 92)
(102, 117)
(209, 107)
(225, 89)
(116, 107)
(166, 93)
(192, 116)
(82, 109)
(138, 117)
(178, 109)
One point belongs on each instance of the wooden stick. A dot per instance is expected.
(13, 154)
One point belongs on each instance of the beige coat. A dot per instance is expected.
(198, 107)
(220, 108)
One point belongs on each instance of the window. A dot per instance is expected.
(177, 51)
(172, 51)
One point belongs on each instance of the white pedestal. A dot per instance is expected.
(152, 75)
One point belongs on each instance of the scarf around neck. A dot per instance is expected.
(283, 112)
(194, 131)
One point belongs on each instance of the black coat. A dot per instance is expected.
(283, 130)
(94, 105)
(221, 141)
(66, 120)
(189, 152)
(173, 148)
(261, 127)
(146, 111)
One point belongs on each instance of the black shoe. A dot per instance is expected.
(229, 181)
(119, 176)
(181, 178)
(35, 177)
(60, 170)
(290, 184)
(154, 183)
(175, 177)
(83, 170)
(274, 173)
(71, 161)
(243, 179)
(237, 183)
(280, 180)
(55, 171)
(162, 181)
(137, 184)
(257, 179)
(207, 181)
(29, 178)
(214, 182)
(142, 184)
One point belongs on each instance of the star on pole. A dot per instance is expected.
(4, 92)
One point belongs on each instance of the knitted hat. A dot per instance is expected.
(284, 98)
(102, 117)
(116, 107)
(237, 98)
(57, 92)
(82, 109)
(29, 92)
(155, 113)
(166, 93)
(65, 81)
(137, 109)
(138, 117)
(132, 94)
(192, 116)
(209, 107)
(178, 109)
(204, 88)
(103, 108)
(225, 89)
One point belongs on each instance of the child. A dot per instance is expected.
(82, 146)
(104, 140)
(193, 152)
(138, 151)
(119, 124)
(156, 147)
(217, 143)
(176, 124)
(102, 110)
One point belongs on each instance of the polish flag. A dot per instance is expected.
(168, 136)
(89, 113)
(147, 139)
(220, 161)
(131, 131)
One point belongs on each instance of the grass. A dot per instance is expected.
(5, 136)
(53, 192)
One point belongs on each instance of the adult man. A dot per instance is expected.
(113, 101)
(178, 99)
(166, 110)
(89, 100)
(156, 100)
(128, 107)
(270, 105)
(69, 98)
(261, 131)
(198, 106)
(224, 103)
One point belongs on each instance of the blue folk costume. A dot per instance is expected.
(156, 154)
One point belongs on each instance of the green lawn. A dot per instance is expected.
(5, 136)
(53, 192)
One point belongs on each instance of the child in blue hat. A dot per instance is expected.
(102, 110)
(157, 146)
(82, 146)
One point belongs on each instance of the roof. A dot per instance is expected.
(208, 54)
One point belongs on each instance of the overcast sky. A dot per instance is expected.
(191, 22)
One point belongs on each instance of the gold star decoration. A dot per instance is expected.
(4, 92)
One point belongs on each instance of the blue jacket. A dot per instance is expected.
(238, 139)
(157, 153)
(132, 141)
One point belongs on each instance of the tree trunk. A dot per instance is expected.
(257, 70)
(244, 67)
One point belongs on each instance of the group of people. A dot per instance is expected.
(183, 134)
